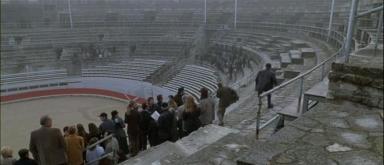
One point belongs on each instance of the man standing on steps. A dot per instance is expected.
(227, 96)
(265, 81)
(47, 144)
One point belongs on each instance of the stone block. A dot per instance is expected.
(308, 52)
(285, 59)
(288, 74)
(296, 57)
(297, 44)
(276, 65)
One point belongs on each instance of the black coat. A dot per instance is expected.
(145, 118)
(26, 161)
(265, 80)
(191, 121)
(165, 123)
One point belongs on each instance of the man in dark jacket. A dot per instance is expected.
(107, 125)
(159, 103)
(227, 96)
(120, 133)
(265, 81)
(24, 158)
(151, 105)
(165, 123)
(132, 118)
(47, 144)
(178, 96)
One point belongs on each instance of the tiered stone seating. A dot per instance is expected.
(138, 69)
(37, 46)
(193, 78)
(281, 50)
(165, 50)
(32, 80)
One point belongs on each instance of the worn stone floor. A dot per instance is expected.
(332, 133)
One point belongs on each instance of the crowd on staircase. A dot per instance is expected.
(119, 137)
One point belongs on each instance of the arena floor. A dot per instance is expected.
(20, 118)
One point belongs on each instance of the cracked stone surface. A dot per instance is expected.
(354, 136)
(338, 148)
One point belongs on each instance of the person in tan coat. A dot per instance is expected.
(47, 144)
(75, 147)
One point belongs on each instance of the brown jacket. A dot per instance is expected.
(75, 147)
(227, 96)
(47, 146)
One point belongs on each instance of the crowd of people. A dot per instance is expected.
(119, 137)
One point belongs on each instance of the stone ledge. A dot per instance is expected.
(366, 71)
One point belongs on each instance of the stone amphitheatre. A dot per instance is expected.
(73, 59)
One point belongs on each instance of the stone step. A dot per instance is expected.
(223, 151)
(332, 133)
(168, 152)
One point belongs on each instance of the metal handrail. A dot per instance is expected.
(337, 36)
(100, 141)
(301, 77)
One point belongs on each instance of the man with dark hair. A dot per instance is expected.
(132, 119)
(107, 125)
(120, 134)
(178, 96)
(24, 158)
(159, 103)
(151, 105)
(47, 144)
(165, 123)
(265, 81)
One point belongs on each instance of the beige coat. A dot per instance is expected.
(75, 147)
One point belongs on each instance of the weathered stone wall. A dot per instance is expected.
(362, 84)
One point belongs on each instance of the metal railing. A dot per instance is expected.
(299, 78)
(336, 39)
(106, 154)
